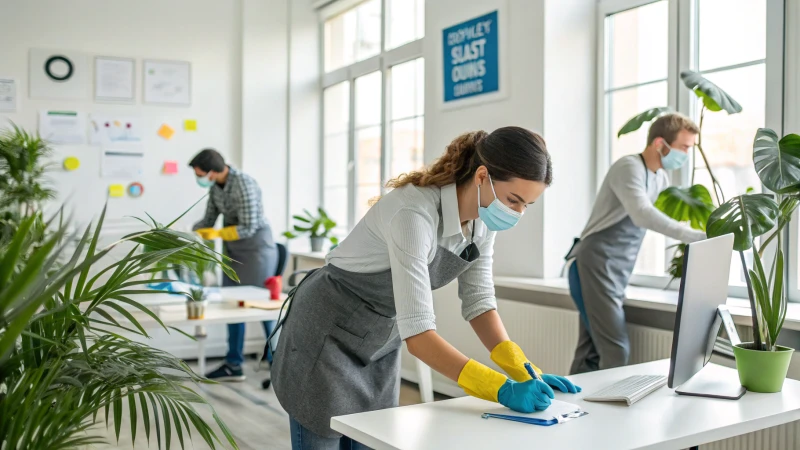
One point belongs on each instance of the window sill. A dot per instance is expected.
(645, 298)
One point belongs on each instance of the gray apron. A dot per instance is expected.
(254, 259)
(339, 350)
(605, 261)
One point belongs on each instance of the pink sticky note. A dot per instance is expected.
(170, 167)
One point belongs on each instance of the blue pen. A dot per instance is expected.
(531, 372)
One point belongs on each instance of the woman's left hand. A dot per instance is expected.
(561, 383)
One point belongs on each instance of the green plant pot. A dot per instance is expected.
(761, 371)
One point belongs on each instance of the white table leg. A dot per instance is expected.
(425, 382)
(200, 335)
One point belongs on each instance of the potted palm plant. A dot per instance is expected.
(762, 364)
(317, 227)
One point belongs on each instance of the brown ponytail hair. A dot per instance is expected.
(509, 152)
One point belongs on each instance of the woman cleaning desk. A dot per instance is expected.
(339, 349)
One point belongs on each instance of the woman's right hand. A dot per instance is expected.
(485, 383)
(525, 397)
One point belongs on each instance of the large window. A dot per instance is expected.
(373, 95)
(646, 45)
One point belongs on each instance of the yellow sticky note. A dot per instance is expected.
(166, 132)
(71, 163)
(116, 190)
(190, 125)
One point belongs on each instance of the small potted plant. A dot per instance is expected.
(196, 303)
(763, 364)
(317, 227)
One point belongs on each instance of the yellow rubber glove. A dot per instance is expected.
(510, 358)
(229, 233)
(480, 381)
(208, 234)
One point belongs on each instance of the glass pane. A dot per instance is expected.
(746, 36)
(336, 159)
(651, 259)
(336, 206)
(407, 146)
(353, 36)
(337, 108)
(625, 104)
(405, 22)
(408, 89)
(368, 100)
(340, 40)
(368, 168)
(368, 35)
(638, 45)
(728, 139)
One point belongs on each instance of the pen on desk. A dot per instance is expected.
(531, 372)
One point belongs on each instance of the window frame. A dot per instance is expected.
(383, 63)
(683, 47)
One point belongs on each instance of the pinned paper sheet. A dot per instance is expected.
(116, 190)
(170, 167)
(166, 132)
(71, 163)
(190, 125)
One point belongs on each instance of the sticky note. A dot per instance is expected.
(116, 190)
(166, 131)
(71, 163)
(170, 167)
(135, 189)
(190, 125)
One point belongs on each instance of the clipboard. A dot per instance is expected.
(561, 418)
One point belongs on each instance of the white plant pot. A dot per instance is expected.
(196, 310)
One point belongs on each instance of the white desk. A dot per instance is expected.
(171, 309)
(662, 420)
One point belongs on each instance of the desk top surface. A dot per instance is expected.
(662, 420)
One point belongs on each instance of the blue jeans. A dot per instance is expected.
(576, 292)
(235, 356)
(304, 439)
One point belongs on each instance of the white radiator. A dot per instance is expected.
(549, 336)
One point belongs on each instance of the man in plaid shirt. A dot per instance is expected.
(247, 239)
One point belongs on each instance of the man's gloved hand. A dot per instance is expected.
(512, 360)
(229, 233)
(208, 234)
(482, 382)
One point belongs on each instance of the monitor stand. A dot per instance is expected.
(713, 381)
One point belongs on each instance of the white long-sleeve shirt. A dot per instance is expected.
(630, 189)
(402, 232)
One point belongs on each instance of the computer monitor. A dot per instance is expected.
(704, 287)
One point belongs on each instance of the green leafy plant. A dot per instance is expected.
(692, 204)
(62, 359)
(752, 215)
(318, 226)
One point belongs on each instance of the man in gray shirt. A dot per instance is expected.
(607, 250)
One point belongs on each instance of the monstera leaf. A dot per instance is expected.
(777, 161)
(687, 204)
(714, 98)
(637, 122)
(747, 216)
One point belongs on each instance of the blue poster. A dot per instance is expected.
(471, 63)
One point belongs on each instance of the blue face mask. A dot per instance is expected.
(675, 159)
(204, 182)
(497, 216)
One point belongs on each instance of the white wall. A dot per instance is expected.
(204, 32)
(569, 124)
(517, 252)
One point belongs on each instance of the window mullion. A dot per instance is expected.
(351, 164)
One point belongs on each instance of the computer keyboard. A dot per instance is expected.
(629, 390)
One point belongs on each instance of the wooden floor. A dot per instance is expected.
(254, 415)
